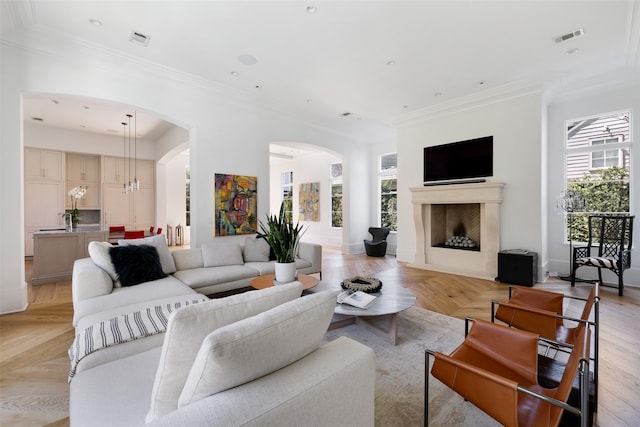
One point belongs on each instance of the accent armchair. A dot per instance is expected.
(496, 369)
(613, 237)
(377, 246)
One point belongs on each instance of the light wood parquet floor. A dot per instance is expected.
(34, 343)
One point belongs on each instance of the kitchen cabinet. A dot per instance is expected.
(43, 164)
(83, 168)
(135, 210)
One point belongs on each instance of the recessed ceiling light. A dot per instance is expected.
(95, 22)
(247, 59)
(37, 119)
(391, 62)
(234, 73)
(437, 94)
(309, 100)
(258, 87)
(482, 82)
(311, 9)
(85, 107)
(346, 114)
(572, 51)
(55, 101)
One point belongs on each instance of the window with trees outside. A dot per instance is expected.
(597, 159)
(388, 180)
(287, 194)
(336, 194)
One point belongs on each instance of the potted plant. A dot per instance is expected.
(284, 238)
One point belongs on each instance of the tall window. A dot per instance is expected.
(388, 179)
(188, 195)
(597, 159)
(286, 181)
(336, 194)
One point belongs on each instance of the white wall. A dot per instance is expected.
(226, 136)
(583, 104)
(516, 125)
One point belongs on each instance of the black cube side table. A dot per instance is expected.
(518, 267)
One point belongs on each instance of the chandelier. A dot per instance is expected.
(129, 186)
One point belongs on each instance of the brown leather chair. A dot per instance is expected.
(541, 312)
(496, 369)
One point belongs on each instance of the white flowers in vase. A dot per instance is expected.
(76, 193)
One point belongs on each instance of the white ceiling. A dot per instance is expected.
(378, 60)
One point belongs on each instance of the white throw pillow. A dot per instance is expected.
(187, 329)
(160, 243)
(99, 253)
(251, 348)
(255, 250)
(216, 255)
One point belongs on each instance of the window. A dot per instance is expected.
(388, 180)
(286, 182)
(597, 159)
(188, 195)
(336, 194)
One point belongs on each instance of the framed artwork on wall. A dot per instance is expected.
(309, 197)
(235, 204)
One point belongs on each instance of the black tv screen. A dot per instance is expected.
(462, 160)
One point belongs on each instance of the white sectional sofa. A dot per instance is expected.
(248, 359)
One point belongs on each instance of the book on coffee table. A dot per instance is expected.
(357, 299)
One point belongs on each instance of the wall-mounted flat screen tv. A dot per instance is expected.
(459, 161)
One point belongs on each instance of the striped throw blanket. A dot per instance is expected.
(126, 327)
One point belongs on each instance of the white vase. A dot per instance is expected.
(285, 272)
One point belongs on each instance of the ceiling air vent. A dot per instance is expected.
(139, 38)
(563, 38)
(37, 119)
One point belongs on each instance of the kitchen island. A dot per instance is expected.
(56, 249)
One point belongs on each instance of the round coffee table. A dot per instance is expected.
(267, 281)
(392, 299)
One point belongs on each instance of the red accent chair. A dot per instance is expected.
(134, 234)
(159, 230)
(151, 229)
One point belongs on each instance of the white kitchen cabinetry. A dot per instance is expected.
(136, 210)
(43, 164)
(43, 192)
(83, 170)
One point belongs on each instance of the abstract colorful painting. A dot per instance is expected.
(310, 202)
(236, 203)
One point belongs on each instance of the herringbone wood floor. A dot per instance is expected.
(33, 344)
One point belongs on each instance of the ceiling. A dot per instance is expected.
(368, 61)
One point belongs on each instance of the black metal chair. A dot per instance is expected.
(377, 247)
(613, 237)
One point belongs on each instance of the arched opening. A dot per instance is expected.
(310, 178)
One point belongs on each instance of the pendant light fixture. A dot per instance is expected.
(130, 186)
(124, 158)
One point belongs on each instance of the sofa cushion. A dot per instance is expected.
(256, 249)
(160, 243)
(99, 253)
(189, 326)
(256, 346)
(187, 259)
(136, 264)
(118, 297)
(199, 277)
(216, 255)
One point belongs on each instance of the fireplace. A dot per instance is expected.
(448, 215)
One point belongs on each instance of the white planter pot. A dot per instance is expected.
(285, 272)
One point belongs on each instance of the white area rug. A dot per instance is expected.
(400, 372)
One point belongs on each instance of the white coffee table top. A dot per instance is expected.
(391, 299)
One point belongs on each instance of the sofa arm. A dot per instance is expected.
(335, 384)
(89, 280)
(311, 252)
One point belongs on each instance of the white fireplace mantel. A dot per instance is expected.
(483, 263)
